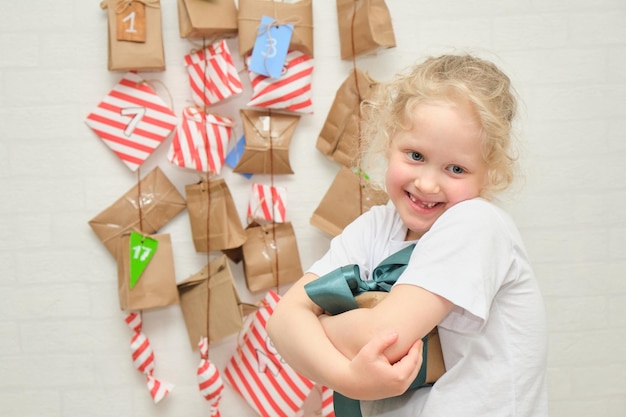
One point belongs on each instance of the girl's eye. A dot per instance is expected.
(455, 169)
(415, 156)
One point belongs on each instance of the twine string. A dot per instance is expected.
(359, 99)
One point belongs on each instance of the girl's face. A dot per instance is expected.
(435, 164)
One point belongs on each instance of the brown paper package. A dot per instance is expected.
(138, 56)
(299, 13)
(160, 201)
(343, 202)
(156, 286)
(211, 293)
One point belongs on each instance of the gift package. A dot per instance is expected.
(135, 38)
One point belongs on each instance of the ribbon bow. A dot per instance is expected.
(335, 293)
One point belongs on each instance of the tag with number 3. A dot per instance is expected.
(131, 22)
(270, 48)
(142, 249)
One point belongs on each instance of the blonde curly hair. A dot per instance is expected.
(451, 78)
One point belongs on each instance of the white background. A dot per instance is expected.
(64, 348)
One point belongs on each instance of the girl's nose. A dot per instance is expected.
(427, 183)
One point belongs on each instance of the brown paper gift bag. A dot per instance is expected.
(270, 256)
(368, 22)
(156, 286)
(343, 202)
(223, 223)
(202, 18)
(140, 56)
(338, 138)
(299, 13)
(267, 138)
(160, 201)
(211, 293)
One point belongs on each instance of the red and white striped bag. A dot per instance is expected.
(292, 91)
(267, 203)
(212, 74)
(132, 120)
(258, 373)
(201, 141)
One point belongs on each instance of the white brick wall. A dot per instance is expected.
(63, 344)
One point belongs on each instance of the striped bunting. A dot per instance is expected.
(212, 74)
(267, 203)
(292, 91)
(201, 141)
(132, 120)
(258, 373)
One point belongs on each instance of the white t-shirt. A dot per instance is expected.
(494, 341)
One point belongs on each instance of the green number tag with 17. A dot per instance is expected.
(142, 249)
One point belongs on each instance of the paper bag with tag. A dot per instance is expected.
(346, 199)
(267, 138)
(364, 26)
(338, 138)
(212, 212)
(270, 256)
(156, 286)
(211, 294)
(298, 13)
(135, 37)
(148, 205)
(207, 19)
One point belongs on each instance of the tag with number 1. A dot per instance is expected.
(131, 23)
(142, 249)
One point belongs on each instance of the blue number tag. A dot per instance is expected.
(270, 48)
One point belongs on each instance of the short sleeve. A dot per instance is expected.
(464, 258)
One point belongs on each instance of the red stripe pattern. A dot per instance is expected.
(201, 141)
(209, 379)
(258, 373)
(212, 74)
(132, 120)
(292, 91)
(143, 358)
(327, 402)
(267, 203)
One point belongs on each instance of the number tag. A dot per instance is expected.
(142, 249)
(131, 23)
(270, 48)
(137, 114)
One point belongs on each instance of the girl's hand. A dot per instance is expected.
(374, 377)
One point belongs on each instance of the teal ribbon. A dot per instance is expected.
(335, 293)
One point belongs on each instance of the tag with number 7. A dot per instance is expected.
(142, 249)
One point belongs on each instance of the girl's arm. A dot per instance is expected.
(297, 333)
(408, 310)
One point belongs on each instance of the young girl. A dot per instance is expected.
(443, 132)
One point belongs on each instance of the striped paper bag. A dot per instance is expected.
(258, 373)
(132, 120)
(292, 91)
(267, 203)
(201, 141)
(212, 74)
